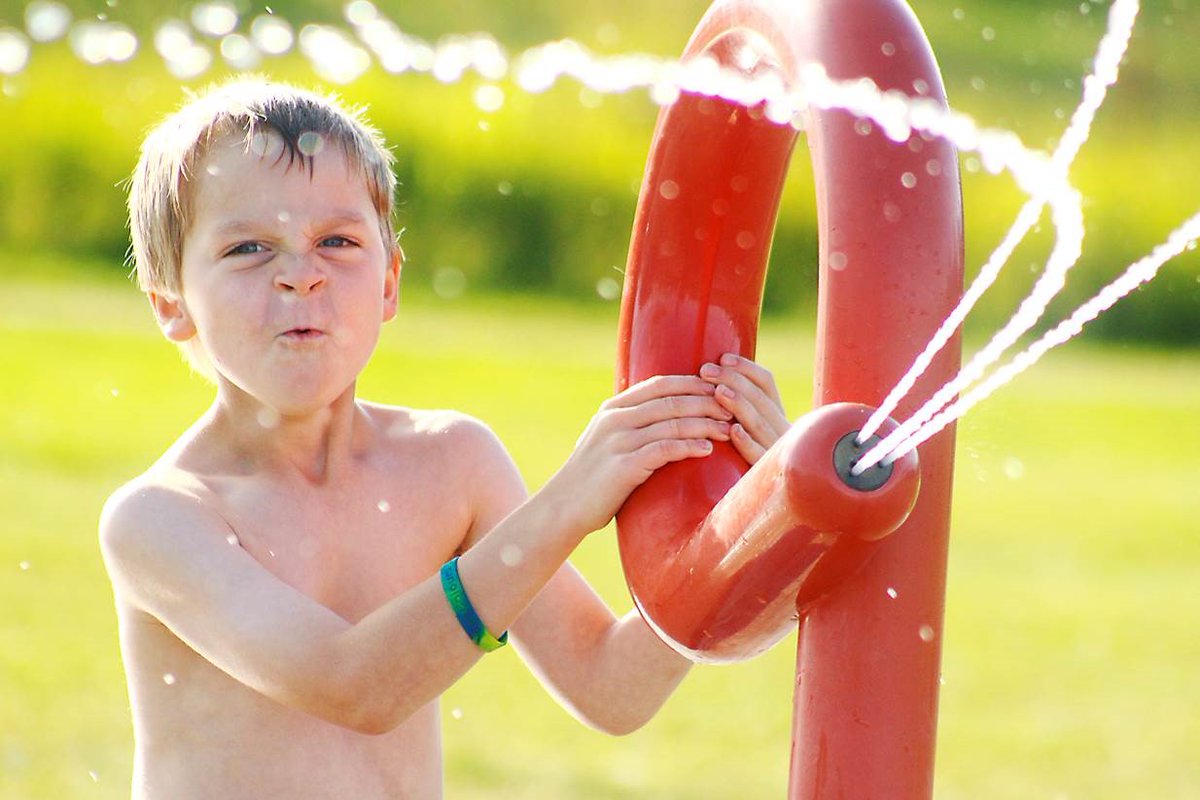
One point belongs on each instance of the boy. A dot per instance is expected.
(282, 637)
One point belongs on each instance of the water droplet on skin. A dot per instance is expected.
(669, 190)
(926, 633)
(908, 180)
(892, 593)
(233, 540)
(511, 555)
(310, 143)
(259, 143)
(268, 418)
(271, 553)
(169, 679)
(837, 261)
(284, 217)
(308, 547)
(213, 169)
(384, 506)
(746, 240)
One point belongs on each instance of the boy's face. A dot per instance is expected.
(286, 279)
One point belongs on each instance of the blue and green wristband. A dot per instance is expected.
(467, 617)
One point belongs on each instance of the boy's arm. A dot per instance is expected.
(614, 674)
(170, 556)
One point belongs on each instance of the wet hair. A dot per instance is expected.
(160, 208)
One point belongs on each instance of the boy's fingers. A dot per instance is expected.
(748, 415)
(762, 415)
(686, 428)
(664, 451)
(660, 386)
(759, 375)
(671, 407)
(744, 443)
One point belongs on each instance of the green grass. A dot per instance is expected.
(1070, 645)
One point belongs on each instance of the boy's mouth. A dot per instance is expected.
(302, 334)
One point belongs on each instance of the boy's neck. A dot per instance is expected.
(317, 446)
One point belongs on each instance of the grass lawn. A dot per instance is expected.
(1072, 644)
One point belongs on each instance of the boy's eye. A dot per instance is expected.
(336, 241)
(246, 249)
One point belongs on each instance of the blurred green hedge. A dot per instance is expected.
(539, 196)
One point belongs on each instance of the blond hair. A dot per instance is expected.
(160, 209)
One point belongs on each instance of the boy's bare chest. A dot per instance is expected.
(351, 549)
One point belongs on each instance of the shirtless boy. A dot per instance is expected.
(282, 637)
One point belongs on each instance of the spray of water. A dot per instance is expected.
(1144, 269)
(1104, 75)
(341, 57)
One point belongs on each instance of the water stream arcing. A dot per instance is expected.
(341, 55)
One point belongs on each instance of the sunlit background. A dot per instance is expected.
(1071, 642)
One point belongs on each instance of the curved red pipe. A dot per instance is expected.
(722, 565)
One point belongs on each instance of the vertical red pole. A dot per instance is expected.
(717, 557)
(867, 670)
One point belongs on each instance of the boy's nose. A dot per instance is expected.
(300, 276)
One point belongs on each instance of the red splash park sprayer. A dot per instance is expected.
(721, 559)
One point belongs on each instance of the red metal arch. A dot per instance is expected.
(721, 564)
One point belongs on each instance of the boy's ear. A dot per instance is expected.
(172, 316)
(391, 284)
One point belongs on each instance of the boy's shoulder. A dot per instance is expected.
(452, 433)
(144, 519)
(161, 489)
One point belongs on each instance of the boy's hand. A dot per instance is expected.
(748, 391)
(663, 419)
